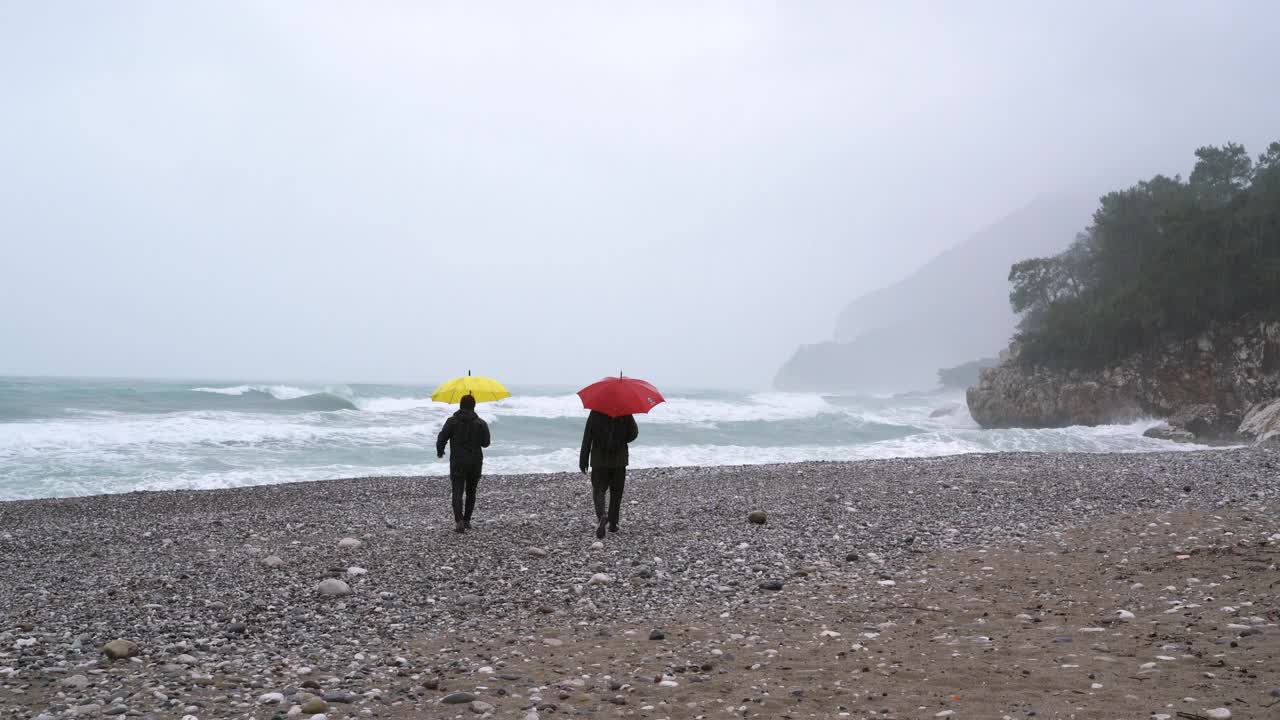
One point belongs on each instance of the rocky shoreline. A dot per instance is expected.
(353, 597)
(1223, 385)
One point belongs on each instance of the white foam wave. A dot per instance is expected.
(279, 392)
(397, 404)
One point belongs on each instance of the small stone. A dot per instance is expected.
(76, 682)
(340, 697)
(185, 659)
(356, 571)
(552, 642)
(332, 587)
(600, 579)
(536, 552)
(458, 698)
(1124, 616)
(117, 649)
(771, 585)
(431, 683)
(657, 635)
(470, 599)
(82, 710)
(349, 542)
(480, 707)
(236, 628)
(315, 706)
(757, 517)
(597, 545)
(273, 561)
(272, 698)
(851, 557)
(1218, 714)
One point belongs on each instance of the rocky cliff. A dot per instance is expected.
(1206, 387)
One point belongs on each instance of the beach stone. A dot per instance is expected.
(82, 710)
(536, 552)
(332, 587)
(349, 543)
(757, 517)
(340, 697)
(771, 585)
(356, 571)
(480, 707)
(315, 706)
(76, 682)
(644, 572)
(1218, 714)
(657, 635)
(458, 698)
(851, 557)
(272, 698)
(273, 561)
(597, 545)
(185, 659)
(431, 683)
(600, 579)
(117, 649)
(470, 599)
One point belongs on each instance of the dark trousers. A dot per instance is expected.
(464, 478)
(608, 481)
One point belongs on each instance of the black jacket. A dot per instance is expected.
(466, 434)
(604, 441)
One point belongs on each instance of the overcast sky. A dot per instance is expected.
(553, 191)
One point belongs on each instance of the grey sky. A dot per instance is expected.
(548, 192)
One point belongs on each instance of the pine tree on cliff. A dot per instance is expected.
(1161, 261)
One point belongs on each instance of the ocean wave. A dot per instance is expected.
(279, 392)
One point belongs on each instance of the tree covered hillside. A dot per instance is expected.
(1161, 261)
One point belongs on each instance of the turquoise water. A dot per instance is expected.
(63, 437)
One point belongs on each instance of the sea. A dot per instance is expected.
(71, 437)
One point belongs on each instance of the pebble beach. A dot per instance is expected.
(965, 586)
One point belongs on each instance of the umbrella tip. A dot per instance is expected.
(468, 373)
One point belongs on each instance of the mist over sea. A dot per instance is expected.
(68, 437)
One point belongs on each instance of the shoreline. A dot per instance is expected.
(1187, 447)
(187, 575)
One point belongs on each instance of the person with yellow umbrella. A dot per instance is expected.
(466, 435)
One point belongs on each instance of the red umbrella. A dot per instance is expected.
(618, 396)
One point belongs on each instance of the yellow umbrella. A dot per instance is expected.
(483, 389)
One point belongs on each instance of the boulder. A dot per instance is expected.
(1163, 431)
(117, 649)
(1261, 423)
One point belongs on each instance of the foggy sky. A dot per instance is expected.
(550, 192)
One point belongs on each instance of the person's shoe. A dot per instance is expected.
(613, 527)
(459, 527)
(466, 524)
(600, 529)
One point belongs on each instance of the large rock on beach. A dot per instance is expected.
(119, 649)
(1262, 423)
(333, 587)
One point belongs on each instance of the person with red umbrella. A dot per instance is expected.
(611, 427)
